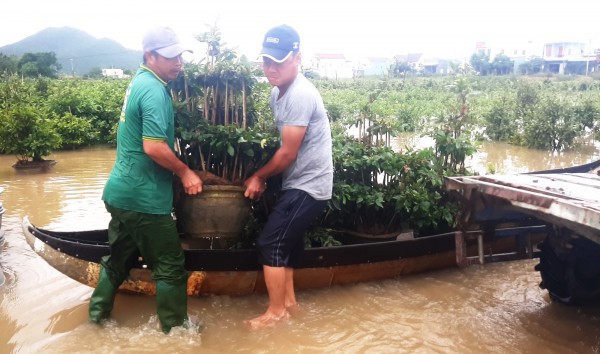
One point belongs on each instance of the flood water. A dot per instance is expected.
(494, 308)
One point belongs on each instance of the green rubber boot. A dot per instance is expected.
(103, 297)
(171, 304)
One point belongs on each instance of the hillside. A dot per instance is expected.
(76, 50)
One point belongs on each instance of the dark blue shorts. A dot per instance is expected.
(281, 242)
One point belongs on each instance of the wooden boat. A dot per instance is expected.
(236, 271)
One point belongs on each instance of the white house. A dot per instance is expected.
(377, 66)
(562, 57)
(518, 51)
(333, 66)
(115, 73)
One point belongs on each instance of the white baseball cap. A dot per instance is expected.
(164, 41)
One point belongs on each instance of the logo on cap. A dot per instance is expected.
(280, 42)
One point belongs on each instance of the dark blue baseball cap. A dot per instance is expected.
(279, 43)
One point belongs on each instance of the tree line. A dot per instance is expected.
(42, 64)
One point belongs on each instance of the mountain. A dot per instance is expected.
(76, 50)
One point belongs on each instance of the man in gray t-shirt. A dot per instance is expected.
(302, 106)
(304, 158)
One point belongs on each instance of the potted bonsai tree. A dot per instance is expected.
(225, 136)
(27, 132)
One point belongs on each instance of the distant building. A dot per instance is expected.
(567, 57)
(376, 66)
(114, 73)
(435, 66)
(333, 66)
(414, 60)
(594, 65)
(518, 52)
(561, 57)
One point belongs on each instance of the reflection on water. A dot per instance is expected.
(495, 308)
(66, 196)
(505, 158)
(499, 158)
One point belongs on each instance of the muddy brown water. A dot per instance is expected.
(494, 308)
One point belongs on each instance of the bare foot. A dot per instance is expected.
(268, 319)
(292, 308)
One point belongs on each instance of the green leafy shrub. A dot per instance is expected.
(553, 127)
(379, 191)
(75, 131)
(100, 101)
(230, 152)
(500, 120)
(27, 133)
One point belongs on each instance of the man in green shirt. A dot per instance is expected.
(139, 192)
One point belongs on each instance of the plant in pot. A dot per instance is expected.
(224, 135)
(378, 193)
(27, 131)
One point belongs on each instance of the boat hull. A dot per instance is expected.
(236, 272)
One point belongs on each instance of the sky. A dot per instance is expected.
(359, 28)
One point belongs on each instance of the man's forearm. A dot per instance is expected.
(160, 153)
(278, 163)
(284, 157)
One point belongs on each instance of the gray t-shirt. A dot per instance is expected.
(302, 105)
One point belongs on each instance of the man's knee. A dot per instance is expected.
(170, 275)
